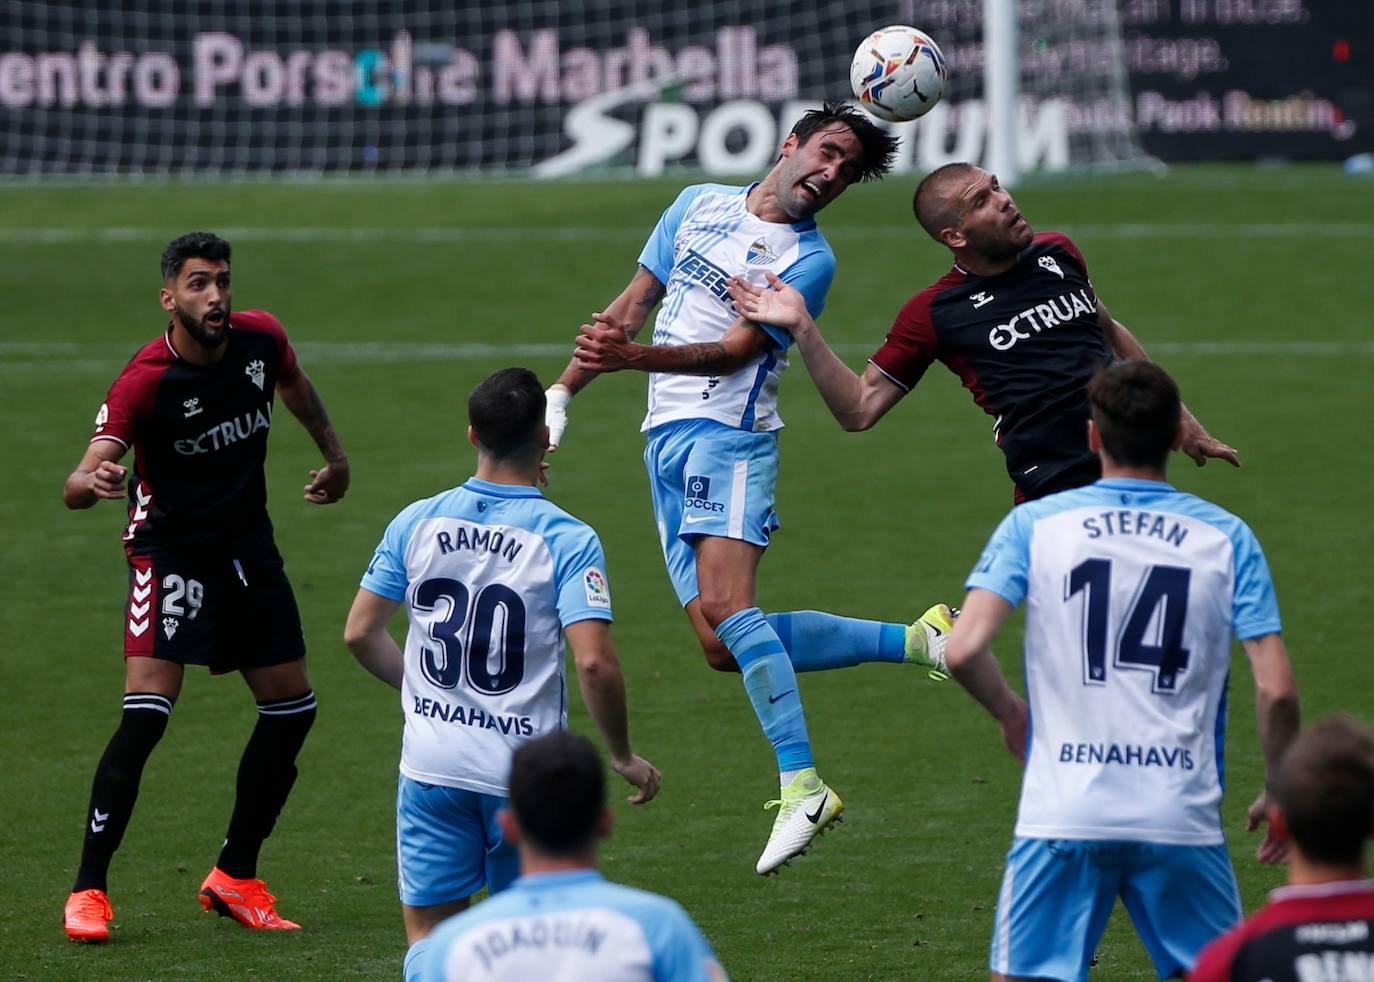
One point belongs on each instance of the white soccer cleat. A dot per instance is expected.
(927, 639)
(806, 809)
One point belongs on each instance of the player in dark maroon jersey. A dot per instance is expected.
(1320, 927)
(1016, 318)
(206, 583)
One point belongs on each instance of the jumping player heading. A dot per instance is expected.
(206, 582)
(712, 435)
(1016, 318)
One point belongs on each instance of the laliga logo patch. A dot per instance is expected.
(698, 487)
(1047, 262)
(597, 594)
(759, 254)
(102, 416)
(256, 372)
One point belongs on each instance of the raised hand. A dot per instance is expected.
(777, 304)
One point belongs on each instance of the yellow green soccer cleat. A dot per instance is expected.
(926, 640)
(806, 810)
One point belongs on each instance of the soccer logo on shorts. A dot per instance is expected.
(698, 487)
(597, 593)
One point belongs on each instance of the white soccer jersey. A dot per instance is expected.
(490, 575)
(571, 927)
(706, 236)
(1133, 593)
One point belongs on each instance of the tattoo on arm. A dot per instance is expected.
(309, 409)
(708, 358)
(652, 295)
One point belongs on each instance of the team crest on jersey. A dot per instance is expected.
(759, 254)
(102, 415)
(1047, 262)
(597, 593)
(192, 407)
(169, 626)
(256, 372)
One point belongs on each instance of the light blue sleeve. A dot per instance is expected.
(811, 276)
(657, 255)
(386, 574)
(1004, 565)
(430, 967)
(579, 565)
(681, 952)
(1256, 608)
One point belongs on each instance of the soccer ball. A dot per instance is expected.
(898, 73)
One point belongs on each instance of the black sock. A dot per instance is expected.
(115, 787)
(266, 772)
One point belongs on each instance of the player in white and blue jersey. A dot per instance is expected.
(1133, 593)
(492, 575)
(562, 919)
(712, 434)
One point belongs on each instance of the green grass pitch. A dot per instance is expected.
(1251, 286)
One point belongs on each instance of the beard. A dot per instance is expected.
(997, 248)
(207, 336)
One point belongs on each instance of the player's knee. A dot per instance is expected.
(717, 608)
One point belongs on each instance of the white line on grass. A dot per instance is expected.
(345, 235)
(17, 357)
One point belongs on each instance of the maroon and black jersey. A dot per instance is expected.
(199, 434)
(1305, 933)
(1024, 342)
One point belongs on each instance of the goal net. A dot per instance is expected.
(244, 87)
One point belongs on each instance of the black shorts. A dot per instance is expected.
(1078, 475)
(222, 607)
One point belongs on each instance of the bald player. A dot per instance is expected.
(1016, 318)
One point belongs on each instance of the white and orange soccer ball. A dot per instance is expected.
(898, 73)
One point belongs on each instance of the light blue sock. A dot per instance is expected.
(414, 965)
(771, 685)
(816, 641)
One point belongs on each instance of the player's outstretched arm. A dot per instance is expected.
(99, 475)
(1195, 441)
(1277, 715)
(366, 635)
(603, 690)
(329, 483)
(602, 348)
(627, 314)
(856, 401)
(971, 663)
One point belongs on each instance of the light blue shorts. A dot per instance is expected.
(448, 844)
(1057, 895)
(707, 478)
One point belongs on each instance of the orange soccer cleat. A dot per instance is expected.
(87, 916)
(246, 901)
